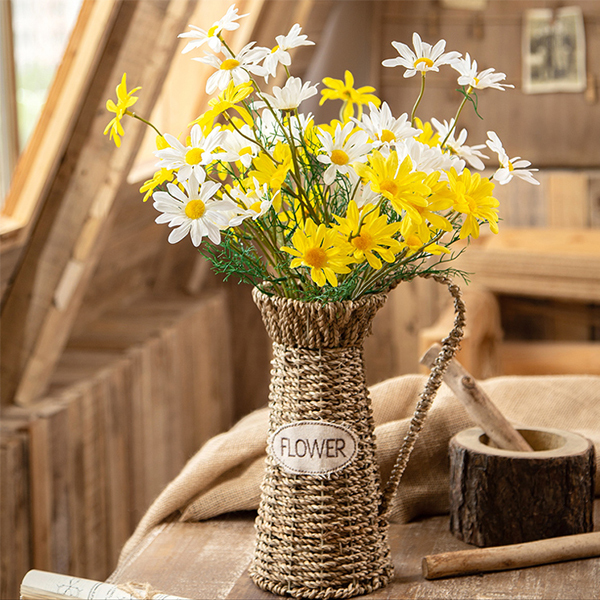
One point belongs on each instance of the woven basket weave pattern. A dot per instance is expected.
(321, 536)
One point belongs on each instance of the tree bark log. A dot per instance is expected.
(502, 497)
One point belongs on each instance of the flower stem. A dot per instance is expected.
(363, 216)
(136, 116)
(414, 110)
(253, 140)
(462, 104)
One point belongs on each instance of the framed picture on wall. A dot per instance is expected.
(554, 51)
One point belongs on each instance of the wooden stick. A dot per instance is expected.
(514, 556)
(478, 404)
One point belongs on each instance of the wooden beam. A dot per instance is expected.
(44, 298)
(557, 263)
(39, 162)
(9, 130)
(550, 358)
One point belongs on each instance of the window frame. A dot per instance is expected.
(39, 161)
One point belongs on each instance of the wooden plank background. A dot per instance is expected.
(160, 354)
(130, 402)
(15, 521)
(69, 234)
(551, 130)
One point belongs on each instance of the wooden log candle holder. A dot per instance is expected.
(500, 497)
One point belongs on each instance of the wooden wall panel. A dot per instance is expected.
(551, 130)
(393, 348)
(131, 401)
(43, 300)
(15, 546)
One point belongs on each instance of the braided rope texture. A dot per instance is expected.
(450, 345)
(321, 536)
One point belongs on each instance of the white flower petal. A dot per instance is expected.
(178, 234)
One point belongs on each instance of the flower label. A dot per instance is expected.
(313, 447)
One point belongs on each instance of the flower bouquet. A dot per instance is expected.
(323, 220)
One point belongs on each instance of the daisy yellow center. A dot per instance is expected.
(363, 242)
(387, 136)
(212, 31)
(315, 257)
(246, 150)
(275, 48)
(339, 157)
(194, 156)
(387, 185)
(194, 209)
(229, 63)
(510, 166)
(475, 81)
(428, 62)
(471, 203)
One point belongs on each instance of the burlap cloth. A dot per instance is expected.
(225, 474)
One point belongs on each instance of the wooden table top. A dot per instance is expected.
(210, 559)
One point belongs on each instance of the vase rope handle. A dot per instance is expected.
(449, 347)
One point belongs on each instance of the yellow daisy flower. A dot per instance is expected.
(227, 99)
(125, 99)
(159, 178)
(272, 173)
(473, 197)
(416, 236)
(319, 249)
(404, 189)
(161, 143)
(427, 135)
(375, 235)
(440, 200)
(344, 90)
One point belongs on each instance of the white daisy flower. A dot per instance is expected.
(509, 168)
(255, 200)
(271, 131)
(478, 81)
(365, 195)
(279, 54)
(191, 159)
(236, 68)
(426, 158)
(237, 146)
(193, 211)
(457, 147)
(211, 37)
(424, 58)
(383, 127)
(290, 95)
(342, 152)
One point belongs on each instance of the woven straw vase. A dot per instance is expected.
(320, 535)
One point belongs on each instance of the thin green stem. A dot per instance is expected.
(462, 104)
(136, 116)
(414, 110)
(364, 216)
(254, 141)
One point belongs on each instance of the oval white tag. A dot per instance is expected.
(313, 447)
